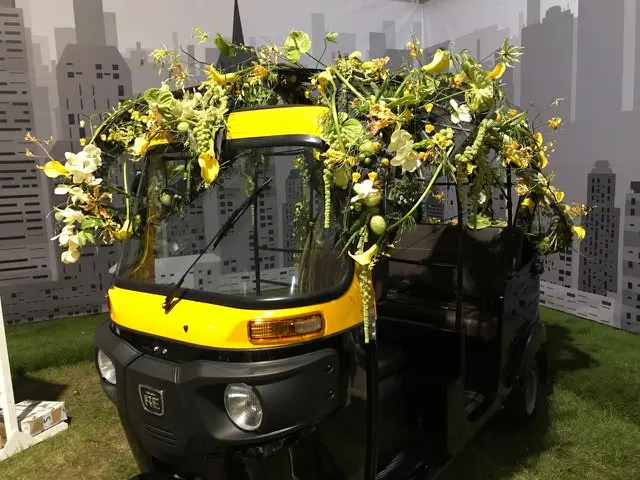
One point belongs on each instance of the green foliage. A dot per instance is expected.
(296, 44)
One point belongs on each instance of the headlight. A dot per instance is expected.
(106, 367)
(243, 406)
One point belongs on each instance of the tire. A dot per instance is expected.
(527, 399)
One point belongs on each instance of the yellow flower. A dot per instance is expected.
(470, 168)
(140, 146)
(365, 258)
(521, 188)
(498, 117)
(579, 231)
(528, 203)
(428, 107)
(429, 128)
(54, 169)
(543, 160)
(459, 80)
(559, 194)
(373, 176)
(512, 112)
(28, 153)
(324, 78)
(355, 177)
(439, 63)
(385, 162)
(259, 71)
(209, 167)
(215, 76)
(555, 123)
(83, 142)
(497, 71)
(124, 231)
(538, 138)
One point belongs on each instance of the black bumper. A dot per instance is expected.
(194, 428)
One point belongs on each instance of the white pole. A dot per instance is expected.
(7, 401)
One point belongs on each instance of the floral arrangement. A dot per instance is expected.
(390, 134)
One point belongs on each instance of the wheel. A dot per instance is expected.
(527, 398)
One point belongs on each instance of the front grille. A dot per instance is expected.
(161, 435)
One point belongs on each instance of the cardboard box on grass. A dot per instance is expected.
(35, 417)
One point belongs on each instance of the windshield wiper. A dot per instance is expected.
(217, 238)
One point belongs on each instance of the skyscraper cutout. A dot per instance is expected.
(227, 63)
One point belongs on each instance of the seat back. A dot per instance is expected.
(426, 258)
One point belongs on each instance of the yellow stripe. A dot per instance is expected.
(272, 122)
(216, 326)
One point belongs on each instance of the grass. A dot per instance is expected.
(591, 429)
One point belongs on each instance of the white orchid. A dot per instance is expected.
(72, 255)
(68, 237)
(400, 139)
(367, 192)
(69, 216)
(76, 194)
(461, 113)
(81, 165)
(406, 157)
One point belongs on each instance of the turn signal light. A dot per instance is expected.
(290, 329)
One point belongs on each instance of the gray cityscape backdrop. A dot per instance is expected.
(64, 61)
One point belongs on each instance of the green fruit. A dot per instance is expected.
(183, 126)
(165, 199)
(369, 148)
(378, 224)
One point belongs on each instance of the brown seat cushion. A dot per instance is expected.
(430, 254)
(476, 321)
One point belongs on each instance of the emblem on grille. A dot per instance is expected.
(152, 400)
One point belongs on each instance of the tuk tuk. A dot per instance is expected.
(235, 346)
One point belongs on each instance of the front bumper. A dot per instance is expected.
(194, 428)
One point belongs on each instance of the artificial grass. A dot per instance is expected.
(591, 429)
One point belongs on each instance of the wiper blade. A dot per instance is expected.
(215, 241)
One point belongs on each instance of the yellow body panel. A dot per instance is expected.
(217, 326)
(274, 122)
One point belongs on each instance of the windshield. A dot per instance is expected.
(278, 248)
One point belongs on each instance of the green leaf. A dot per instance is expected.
(296, 44)
(225, 47)
(90, 222)
(481, 221)
(90, 238)
(351, 131)
(341, 178)
(159, 97)
(331, 37)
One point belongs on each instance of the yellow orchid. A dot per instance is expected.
(558, 194)
(543, 160)
(497, 71)
(125, 231)
(579, 231)
(555, 123)
(140, 146)
(54, 169)
(209, 167)
(512, 112)
(528, 203)
(215, 76)
(538, 138)
(439, 63)
(365, 258)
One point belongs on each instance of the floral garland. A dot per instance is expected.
(390, 133)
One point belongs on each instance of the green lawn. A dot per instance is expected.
(591, 431)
